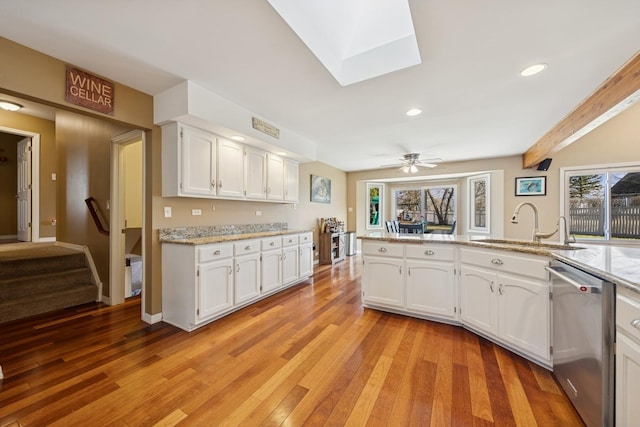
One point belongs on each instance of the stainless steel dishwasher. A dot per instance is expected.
(583, 339)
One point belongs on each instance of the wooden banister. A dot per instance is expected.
(94, 214)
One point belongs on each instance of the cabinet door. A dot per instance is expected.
(247, 278)
(383, 281)
(291, 180)
(198, 164)
(478, 299)
(524, 315)
(627, 381)
(431, 288)
(289, 264)
(230, 169)
(271, 270)
(215, 288)
(306, 260)
(275, 177)
(255, 170)
(341, 246)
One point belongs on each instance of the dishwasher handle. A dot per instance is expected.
(579, 286)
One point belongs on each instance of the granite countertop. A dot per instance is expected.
(616, 264)
(205, 240)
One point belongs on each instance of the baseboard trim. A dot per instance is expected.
(151, 318)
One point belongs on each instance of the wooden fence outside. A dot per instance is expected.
(625, 221)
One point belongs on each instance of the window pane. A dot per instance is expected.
(408, 205)
(440, 205)
(625, 205)
(587, 206)
(480, 203)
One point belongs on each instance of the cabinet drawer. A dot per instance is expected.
(628, 312)
(431, 252)
(213, 252)
(271, 243)
(501, 261)
(290, 240)
(242, 247)
(382, 248)
(305, 238)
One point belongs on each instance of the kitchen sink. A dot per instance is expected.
(527, 244)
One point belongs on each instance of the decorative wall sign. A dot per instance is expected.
(531, 186)
(320, 189)
(265, 127)
(89, 91)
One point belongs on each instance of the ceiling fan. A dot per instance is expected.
(411, 162)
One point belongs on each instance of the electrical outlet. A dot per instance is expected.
(196, 211)
(350, 209)
(167, 211)
(258, 213)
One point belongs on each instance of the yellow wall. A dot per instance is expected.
(133, 184)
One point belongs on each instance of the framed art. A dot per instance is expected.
(374, 205)
(320, 189)
(531, 186)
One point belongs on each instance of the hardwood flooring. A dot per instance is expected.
(311, 355)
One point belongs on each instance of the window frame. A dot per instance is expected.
(471, 180)
(422, 188)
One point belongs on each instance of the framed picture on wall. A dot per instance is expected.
(531, 186)
(320, 189)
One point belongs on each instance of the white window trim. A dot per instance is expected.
(472, 205)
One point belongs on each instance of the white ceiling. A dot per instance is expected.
(475, 103)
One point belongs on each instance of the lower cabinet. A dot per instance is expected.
(383, 281)
(627, 357)
(215, 289)
(508, 297)
(201, 283)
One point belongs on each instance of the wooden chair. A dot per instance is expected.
(393, 226)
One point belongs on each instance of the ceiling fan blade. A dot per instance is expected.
(426, 165)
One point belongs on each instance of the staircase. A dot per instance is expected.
(37, 278)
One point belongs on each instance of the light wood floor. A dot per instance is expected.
(309, 356)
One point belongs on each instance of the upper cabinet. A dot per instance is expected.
(197, 163)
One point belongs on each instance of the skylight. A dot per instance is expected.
(356, 39)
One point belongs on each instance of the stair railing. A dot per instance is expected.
(91, 205)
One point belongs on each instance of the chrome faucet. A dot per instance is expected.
(536, 235)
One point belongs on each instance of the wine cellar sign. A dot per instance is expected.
(89, 91)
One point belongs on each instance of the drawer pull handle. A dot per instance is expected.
(491, 287)
(497, 261)
(500, 289)
(272, 244)
(429, 252)
(382, 249)
(217, 252)
(247, 248)
(635, 323)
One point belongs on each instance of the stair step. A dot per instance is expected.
(46, 260)
(17, 308)
(26, 285)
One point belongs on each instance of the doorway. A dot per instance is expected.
(20, 192)
(127, 216)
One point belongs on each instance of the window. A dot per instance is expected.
(435, 206)
(374, 205)
(603, 204)
(479, 218)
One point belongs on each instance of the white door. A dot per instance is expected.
(430, 288)
(215, 288)
(198, 163)
(306, 260)
(230, 169)
(271, 270)
(275, 177)
(383, 281)
(291, 180)
(255, 168)
(627, 381)
(247, 278)
(478, 299)
(289, 264)
(24, 190)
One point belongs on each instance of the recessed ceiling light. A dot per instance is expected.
(9, 106)
(414, 112)
(237, 138)
(532, 70)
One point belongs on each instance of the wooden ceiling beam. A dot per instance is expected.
(616, 94)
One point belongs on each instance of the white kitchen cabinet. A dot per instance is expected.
(215, 289)
(291, 190)
(255, 168)
(271, 270)
(305, 263)
(430, 281)
(197, 283)
(275, 177)
(383, 281)
(290, 264)
(478, 300)
(503, 295)
(627, 357)
(230, 169)
(247, 278)
(188, 161)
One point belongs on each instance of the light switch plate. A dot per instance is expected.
(196, 211)
(167, 211)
